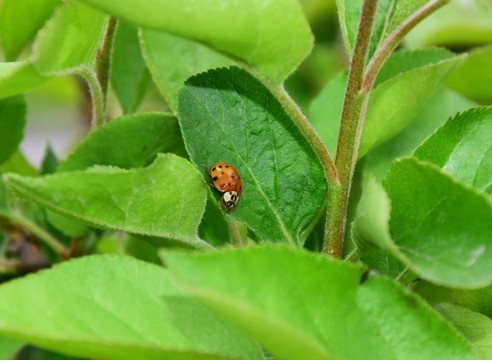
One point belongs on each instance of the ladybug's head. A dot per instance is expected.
(230, 200)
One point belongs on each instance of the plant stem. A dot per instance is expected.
(358, 87)
(349, 136)
(97, 96)
(392, 41)
(103, 59)
(42, 235)
(235, 235)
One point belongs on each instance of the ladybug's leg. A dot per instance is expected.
(208, 172)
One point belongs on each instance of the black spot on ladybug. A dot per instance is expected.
(222, 173)
(220, 166)
(215, 178)
(213, 169)
(227, 165)
(223, 185)
(232, 176)
(229, 183)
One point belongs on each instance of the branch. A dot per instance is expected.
(349, 136)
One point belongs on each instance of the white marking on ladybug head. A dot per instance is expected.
(230, 199)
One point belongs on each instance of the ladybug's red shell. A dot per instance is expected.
(225, 178)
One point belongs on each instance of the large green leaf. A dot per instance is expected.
(19, 22)
(272, 37)
(8, 348)
(166, 199)
(301, 305)
(442, 104)
(112, 307)
(439, 227)
(462, 147)
(403, 85)
(68, 43)
(474, 77)
(12, 121)
(173, 59)
(475, 327)
(17, 77)
(459, 24)
(227, 115)
(370, 231)
(70, 39)
(394, 102)
(127, 142)
(479, 300)
(127, 66)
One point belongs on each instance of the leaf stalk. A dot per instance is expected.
(42, 234)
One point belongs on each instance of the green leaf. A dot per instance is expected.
(213, 228)
(394, 102)
(166, 199)
(17, 77)
(441, 105)
(19, 165)
(440, 227)
(349, 14)
(479, 300)
(127, 142)
(12, 121)
(8, 348)
(472, 79)
(475, 327)
(272, 37)
(462, 147)
(403, 85)
(227, 115)
(264, 293)
(326, 111)
(49, 162)
(172, 60)
(403, 10)
(130, 310)
(20, 20)
(127, 66)
(459, 24)
(370, 230)
(70, 39)
(67, 226)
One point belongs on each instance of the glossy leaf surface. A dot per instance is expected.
(345, 318)
(127, 142)
(131, 310)
(227, 115)
(272, 37)
(166, 199)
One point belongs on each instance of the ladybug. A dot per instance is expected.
(226, 180)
